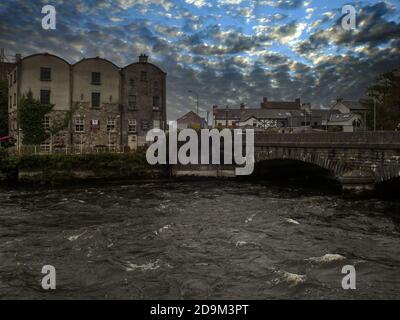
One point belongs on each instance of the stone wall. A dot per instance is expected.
(358, 160)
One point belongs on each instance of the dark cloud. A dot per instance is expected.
(284, 4)
(224, 63)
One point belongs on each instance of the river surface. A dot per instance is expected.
(196, 240)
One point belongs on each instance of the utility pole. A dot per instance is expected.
(374, 113)
(2, 63)
(226, 116)
(197, 100)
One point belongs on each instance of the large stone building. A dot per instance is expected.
(107, 107)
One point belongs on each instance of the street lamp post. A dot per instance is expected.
(226, 116)
(374, 113)
(197, 99)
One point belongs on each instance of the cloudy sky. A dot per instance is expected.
(229, 51)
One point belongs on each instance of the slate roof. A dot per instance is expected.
(288, 105)
(353, 105)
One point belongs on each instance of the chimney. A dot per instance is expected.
(263, 104)
(18, 57)
(339, 99)
(143, 58)
(242, 106)
(215, 109)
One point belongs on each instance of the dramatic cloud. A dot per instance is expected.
(228, 51)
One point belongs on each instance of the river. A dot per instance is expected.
(196, 240)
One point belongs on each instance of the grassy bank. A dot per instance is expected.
(55, 168)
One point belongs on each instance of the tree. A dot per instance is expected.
(3, 108)
(31, 117)
(386, 93)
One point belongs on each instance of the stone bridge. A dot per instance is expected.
(358, 160)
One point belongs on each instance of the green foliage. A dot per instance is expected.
(31, 116)
(386, 93)
(55, 168)
(101, 164)
(3, 108)
(60, 124)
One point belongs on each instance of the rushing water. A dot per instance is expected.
(185, 240)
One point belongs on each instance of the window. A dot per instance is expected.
(45, 97)
(46, 123)
(155, 85)
(96, 78)
(95, 100)
(110, 124)
(156, 103)
(15, 99)
(132, 102)
(45, 74)
(15, 76)
(82, 96)
(156, 124)
(145, 125)
(10, 80)
(132, 125)
(10, 102)
(45, 146)
(132, 82)
(79, 124)
(143, 76)
(110, 99)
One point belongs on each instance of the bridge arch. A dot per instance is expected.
(336, 167)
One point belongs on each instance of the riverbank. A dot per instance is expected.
(59, 168)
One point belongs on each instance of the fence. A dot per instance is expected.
(45, 149)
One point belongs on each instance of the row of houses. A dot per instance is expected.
(286, 116)
(111, 106)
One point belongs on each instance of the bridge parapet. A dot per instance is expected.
(358, 160)
(378, 139)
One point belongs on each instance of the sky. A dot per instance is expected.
(227, 51)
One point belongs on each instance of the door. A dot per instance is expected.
(132, 141)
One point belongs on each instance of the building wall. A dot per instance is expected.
(59, 84)
(231, 122)
(134, 84)
(72, 87)
(108, 88)
(26, 77)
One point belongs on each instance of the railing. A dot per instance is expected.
(368, 139)
(40, 150)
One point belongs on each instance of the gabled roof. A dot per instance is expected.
(190, 116)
